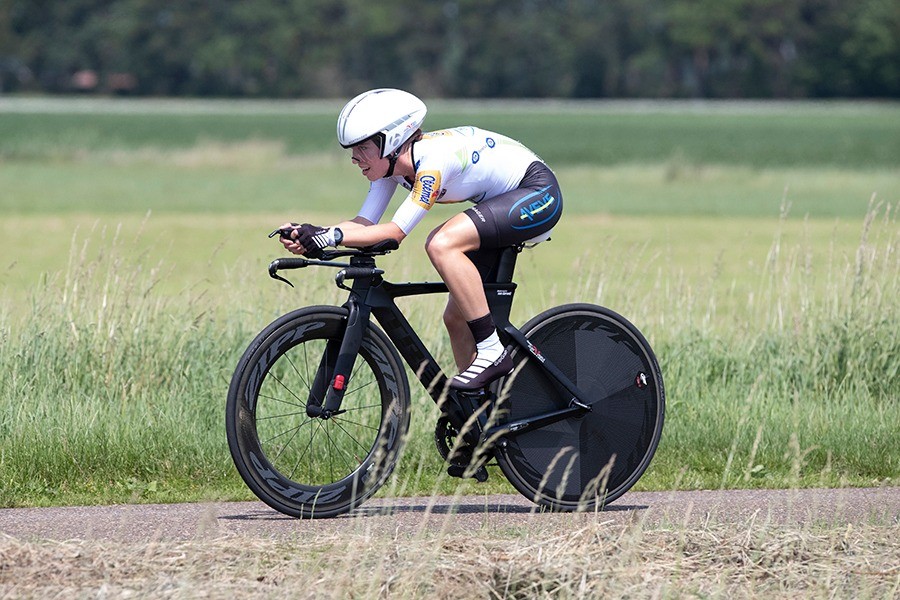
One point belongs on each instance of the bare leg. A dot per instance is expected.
(487, 360)
(461, 341)
(446, 247)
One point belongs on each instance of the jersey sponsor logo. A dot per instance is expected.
(535, 209)
(427, 189)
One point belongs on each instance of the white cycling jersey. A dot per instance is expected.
(452, 165)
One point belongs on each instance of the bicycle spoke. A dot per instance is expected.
(349, 422)
(330, 455)
(293, 414)
(305, 450)
(353, 438)
(274, 399)
(284, 447)
(355, 408)
(297, 371)
(297, 428)
(281, 383)
(360, 387)
(340, 451)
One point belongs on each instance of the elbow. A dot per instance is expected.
(397, 234)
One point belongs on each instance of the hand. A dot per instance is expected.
(287, 235)
(307, 239)
(315, 239)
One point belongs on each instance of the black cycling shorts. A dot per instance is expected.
(517, 216)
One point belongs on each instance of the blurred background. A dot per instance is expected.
(454, 48)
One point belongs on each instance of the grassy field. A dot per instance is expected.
(756, 246)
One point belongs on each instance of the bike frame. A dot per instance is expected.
(370, 295)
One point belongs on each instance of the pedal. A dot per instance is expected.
(475, 397)
(480, 475)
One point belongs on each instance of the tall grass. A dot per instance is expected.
(592, 559)
(803, 389)
(111, 390)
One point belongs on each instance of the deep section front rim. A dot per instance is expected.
(309, 466)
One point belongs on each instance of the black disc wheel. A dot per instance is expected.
(310, 466)
(583, 462)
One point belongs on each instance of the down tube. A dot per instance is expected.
(412, 349)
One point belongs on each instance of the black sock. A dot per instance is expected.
(482, 327)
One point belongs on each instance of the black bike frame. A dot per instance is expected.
(372, 295)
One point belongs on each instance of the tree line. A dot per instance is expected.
(453, 48)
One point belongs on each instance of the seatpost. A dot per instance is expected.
(506, 264)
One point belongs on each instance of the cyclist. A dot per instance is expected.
(516, 198)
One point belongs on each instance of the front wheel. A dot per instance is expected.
(305, 466)
(587, 461)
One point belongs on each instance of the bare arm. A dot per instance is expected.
(358, 233)
(358, 237)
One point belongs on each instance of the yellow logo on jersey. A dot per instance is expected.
(427, 189)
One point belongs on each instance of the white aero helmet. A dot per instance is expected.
(388, 114)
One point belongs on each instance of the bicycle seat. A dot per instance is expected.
(531, 243)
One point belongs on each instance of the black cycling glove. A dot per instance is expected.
(315, 239)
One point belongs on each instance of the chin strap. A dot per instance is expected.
(392, 159)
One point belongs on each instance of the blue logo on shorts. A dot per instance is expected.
(535, 209)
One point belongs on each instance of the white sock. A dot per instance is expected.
(490, 348)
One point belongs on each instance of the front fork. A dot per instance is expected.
(336, 365)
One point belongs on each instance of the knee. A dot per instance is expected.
(439, 242)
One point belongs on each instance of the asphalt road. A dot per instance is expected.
(412, 516)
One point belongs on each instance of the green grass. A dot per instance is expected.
(134, 276)
(258, 177)
(840, 135)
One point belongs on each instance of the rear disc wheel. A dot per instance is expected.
(587, 461)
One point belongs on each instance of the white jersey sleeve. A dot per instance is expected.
(427, 190)
(377, 200)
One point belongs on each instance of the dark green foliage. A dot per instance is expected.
(455, 48)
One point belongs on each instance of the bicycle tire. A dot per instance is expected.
(309, 467)
(584, 462)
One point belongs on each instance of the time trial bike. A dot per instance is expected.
(319, 405)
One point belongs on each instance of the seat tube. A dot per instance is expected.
(500, 289)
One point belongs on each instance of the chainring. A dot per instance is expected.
(445, 437)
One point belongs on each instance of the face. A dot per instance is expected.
(366, 155)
